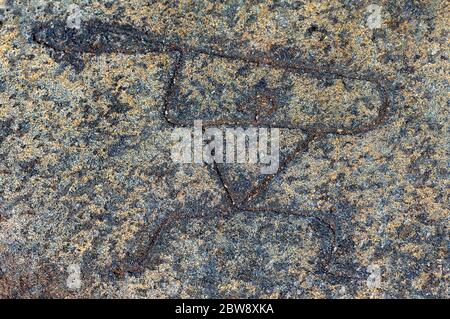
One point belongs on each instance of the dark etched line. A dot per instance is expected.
(97, 37)
(224, 185)
(301, 147)
(170, 88)
(101, 38)
(143, 258)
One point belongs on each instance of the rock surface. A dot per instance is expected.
(91, 204)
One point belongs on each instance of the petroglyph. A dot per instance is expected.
(306, 100)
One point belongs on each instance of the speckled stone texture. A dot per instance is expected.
(358, 209)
